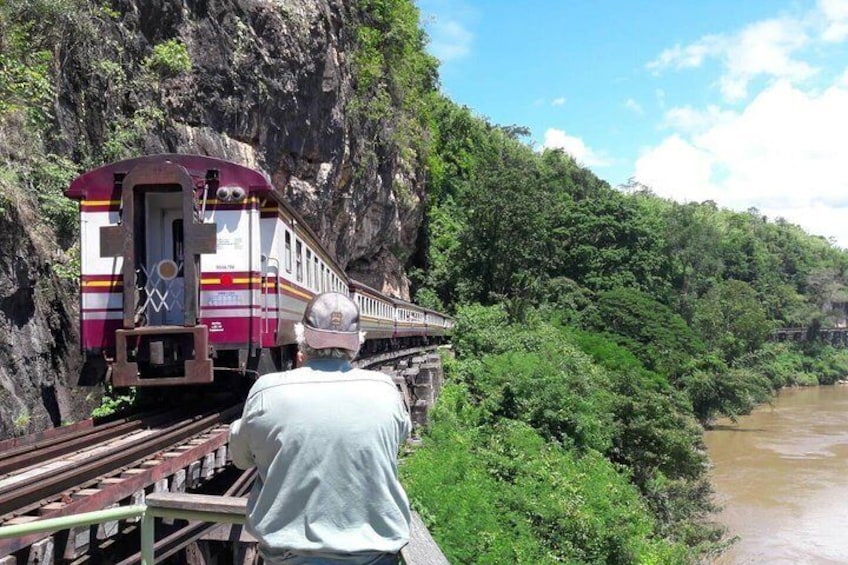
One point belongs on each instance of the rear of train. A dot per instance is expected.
(171, 269)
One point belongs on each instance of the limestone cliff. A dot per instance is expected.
(267, 83)
(39, 337)
(270, 85)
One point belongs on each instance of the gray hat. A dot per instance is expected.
(331, 320)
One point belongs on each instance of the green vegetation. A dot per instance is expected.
(22, 421)
(114, 403)
(169, 58)
(126, 135)
(598, 331)
(395, 80)
(539, 453)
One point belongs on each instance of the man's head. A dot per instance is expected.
(330, 327)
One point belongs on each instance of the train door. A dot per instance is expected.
(164, 263)
(270, 282)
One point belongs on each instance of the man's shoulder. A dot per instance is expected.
(371, 375)
(310, 375)
(271, 380)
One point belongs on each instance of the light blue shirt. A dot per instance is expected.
(324, 439)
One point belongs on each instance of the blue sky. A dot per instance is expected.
(740, 102)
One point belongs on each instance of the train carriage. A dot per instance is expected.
(297, 268)
(410, 325)
(191, 264)
(376, 313)
(436, 324)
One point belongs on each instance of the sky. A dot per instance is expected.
(742, 102)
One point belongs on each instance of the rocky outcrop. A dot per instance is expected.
(39, 358)
(270, 86)
(268, 83)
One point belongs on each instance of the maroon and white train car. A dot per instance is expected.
(410, 324)
(376, 313)
(187, 258)
(438, 325)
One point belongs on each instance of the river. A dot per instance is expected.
(781, 474)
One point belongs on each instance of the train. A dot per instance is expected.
(193, 266)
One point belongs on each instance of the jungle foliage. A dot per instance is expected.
(554, 445)
(597, 326)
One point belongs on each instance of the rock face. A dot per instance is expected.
(39, 342)
(269, 84)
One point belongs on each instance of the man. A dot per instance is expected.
(324, 439)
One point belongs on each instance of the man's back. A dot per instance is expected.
(324, 439)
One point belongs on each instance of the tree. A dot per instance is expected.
(731, 319)
(654, 332)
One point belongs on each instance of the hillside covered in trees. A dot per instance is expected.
(598, 330)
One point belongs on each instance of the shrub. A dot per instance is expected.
(169, 58)
(500, 493)
(114, 403)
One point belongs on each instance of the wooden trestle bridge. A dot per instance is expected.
(838, 337)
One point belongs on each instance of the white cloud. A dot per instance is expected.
(689, 56)
(817, 219)
(558, 101)
(767, 48)
(835, 14)
(677, 169)
(785, 154)
(449, 40)
(764, 48)
(574, 146)
(633, 106)
(691, 120)
(449, 31)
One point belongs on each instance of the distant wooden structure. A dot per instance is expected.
(837, 337)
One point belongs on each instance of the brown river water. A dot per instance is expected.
(781, 474)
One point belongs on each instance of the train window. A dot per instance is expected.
(179, 243)
(298, 249)
(288, 252)
(322, 280)
(315, 270)
(308, 268)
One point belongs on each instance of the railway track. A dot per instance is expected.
(89, 467)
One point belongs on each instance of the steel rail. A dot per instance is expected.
(15, 497)
(127, 486)
(21, 457)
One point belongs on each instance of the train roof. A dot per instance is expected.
(407, 304)
(100, 183)
(359, 285)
